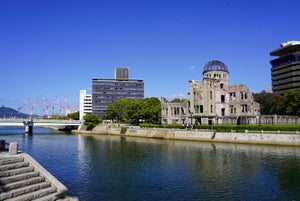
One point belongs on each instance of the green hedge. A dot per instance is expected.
(228, 128)
(204, 127)
(241, 128)
(175, 126)
(148, 125)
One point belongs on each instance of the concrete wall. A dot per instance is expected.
(275, 139)
(200, 135)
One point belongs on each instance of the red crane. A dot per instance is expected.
(46, 106)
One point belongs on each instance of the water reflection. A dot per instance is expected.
(149, 169)
(118, 168)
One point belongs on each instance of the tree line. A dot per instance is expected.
(274, 103)
(135, 111)
(148, 110)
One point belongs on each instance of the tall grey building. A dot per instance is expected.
(105, 91)
(122, 73)
(286, 67)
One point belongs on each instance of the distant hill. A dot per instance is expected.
(7, 112)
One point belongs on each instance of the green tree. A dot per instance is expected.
(134, 111)
(148, 110)
(116, 110)
(73, 116)
(178, 100)
(56, 116)
(292, 102)
(91, 120)
(151, 110)
(270, 103)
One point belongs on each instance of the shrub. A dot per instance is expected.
(176, 126)
(149, 125)
(242, 128)
(90, 120)
(123, 130)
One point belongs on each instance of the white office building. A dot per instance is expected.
(85, 104)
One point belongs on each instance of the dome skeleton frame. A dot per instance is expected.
(215, 65)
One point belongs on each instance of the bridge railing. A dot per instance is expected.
(39, 120)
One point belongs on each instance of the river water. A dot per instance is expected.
(118, 168)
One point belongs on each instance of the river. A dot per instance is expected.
(118, 168)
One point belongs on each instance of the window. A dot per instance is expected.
(199, 109)
(221, 85)
(244, 95)
(210, 95)
(176, 111)
(232, 96)
(223, 111)
(211, 108)
(244, 108)
(232, 109)
(222, 98)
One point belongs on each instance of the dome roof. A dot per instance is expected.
(215, 65)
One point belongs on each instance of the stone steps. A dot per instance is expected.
(21, 184)
(24, 191)
(21, 181)
(39, 194)
(9, 160)
(16, 171)
(13, 166)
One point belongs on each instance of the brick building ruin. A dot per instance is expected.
(213, 101)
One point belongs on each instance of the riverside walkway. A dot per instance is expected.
(23, 178)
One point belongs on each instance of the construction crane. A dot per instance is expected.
(46, 106)
(22, 106)
(68, 109)
(32, 108)
(60, 105)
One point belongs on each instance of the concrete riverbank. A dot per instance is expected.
(271, 138)
(23, 178)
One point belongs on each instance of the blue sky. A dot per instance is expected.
(53, 48)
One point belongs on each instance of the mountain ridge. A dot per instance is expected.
(7, 112)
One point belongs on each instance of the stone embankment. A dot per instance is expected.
(258, 137)
(22, 178)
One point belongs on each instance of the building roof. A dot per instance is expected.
(115, 80)
(286, 48)
(215, 65)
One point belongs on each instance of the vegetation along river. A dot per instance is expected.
(118, 168)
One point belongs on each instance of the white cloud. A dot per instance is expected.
(194, 67)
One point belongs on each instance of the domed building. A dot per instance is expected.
(213, 101)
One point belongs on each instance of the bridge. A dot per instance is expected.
(29, 123)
